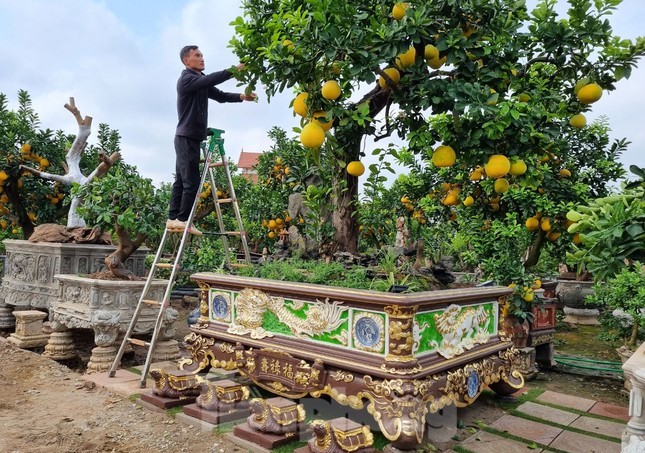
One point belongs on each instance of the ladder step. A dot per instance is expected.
(217, 164)
(155, 303)
(145, 344)
(232, 233)
(225, 200)
(165, 265)
(240, 265)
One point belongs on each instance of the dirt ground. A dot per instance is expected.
(47, 407)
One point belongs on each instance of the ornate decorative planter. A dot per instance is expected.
(400, 355)
(106, 306)
(30, 268)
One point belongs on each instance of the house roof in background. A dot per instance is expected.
(248, 160)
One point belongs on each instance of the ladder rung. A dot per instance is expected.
(232, 233)
(240, 265)
(153, 302)
(224, 200)
(165, 265)
(145, 344)
(217, 164)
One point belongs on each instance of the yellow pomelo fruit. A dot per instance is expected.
(579, 84)
(497, 166)
(469, 201)
(321, 118)
(431, 52)
(330, 90)
(501, 185)
(553, 235)
(564, 173)
(3, 176)
(576, 238)
(289, 45)
(404, 60)
(524, 97)
(436, 63)
(476, 175)
(271, 235)
(398, 11)
(578, 121)
(518, 168)
(444, 156)
(590, 93)
(532, 224)
(25, 149)
(355, 168)
(393, 74)
(300, 105)
(272, 224)
(528, 295)
(3, 224)
(312, 135)
(545, 224)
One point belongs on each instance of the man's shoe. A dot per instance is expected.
(175, 225)
(193, 230)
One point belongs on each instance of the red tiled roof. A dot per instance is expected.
(248, 160)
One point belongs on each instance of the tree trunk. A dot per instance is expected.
(126, 247)
(634, 337)
(534, 251)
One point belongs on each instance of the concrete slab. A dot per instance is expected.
(527, 429)
(610, 410)
(245, 444)
(125, 383)
(605, 427)
(149, 406)
(484, 442)
(192, 421)
(547, 413)
(561, 399)
(574, 442)
(167, 366)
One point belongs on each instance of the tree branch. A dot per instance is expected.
(49, 176)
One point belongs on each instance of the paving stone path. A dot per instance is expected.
(552, 422)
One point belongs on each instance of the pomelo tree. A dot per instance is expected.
(483, 78)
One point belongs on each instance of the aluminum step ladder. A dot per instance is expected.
(214, 157)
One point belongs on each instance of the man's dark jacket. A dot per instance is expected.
(193, 91)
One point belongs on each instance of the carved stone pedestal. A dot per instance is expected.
(526, 363)
(61, 344)
(102, 358)
(634, 435)
(29, 329)
(582, 316)
(166, 351)
(7, 321)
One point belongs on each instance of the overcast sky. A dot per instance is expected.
(119, 60)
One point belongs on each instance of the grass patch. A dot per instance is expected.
(134, 370)
(224, 428)
(174, 411)
(288, 448)
(134, 397)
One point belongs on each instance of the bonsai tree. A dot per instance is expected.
(499, 80)
(624, 291)
(128, 205)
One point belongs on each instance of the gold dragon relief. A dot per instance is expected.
(461, 329)
(321, 317)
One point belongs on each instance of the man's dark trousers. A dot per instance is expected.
(184, 190)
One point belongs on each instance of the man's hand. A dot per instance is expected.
(248, 97)
(240, 67)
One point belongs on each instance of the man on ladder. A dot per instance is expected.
(193, 91)
(194, 88)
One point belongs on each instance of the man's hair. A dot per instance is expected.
(183, 53)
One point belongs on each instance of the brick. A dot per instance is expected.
(547, 413)
(595, 425)
(574, 442)
(527, 429)
(610, 410)
(484, 442)
(573, 402)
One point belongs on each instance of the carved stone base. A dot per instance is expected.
(102, 358)
(163, 402)
(166, 351)
(266, 440)
(7, 321)
(340, 435)
(216, 417)
(60, 346)
(582, 316)
(526, 363)
(29, 329)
